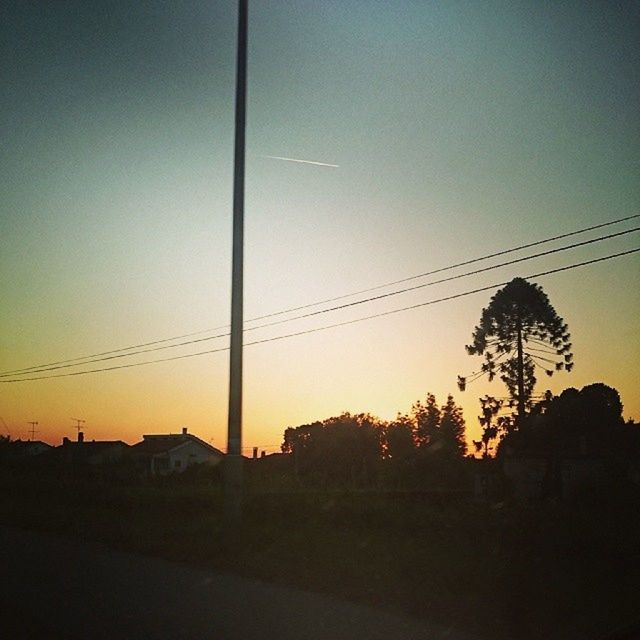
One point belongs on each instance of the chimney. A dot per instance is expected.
(80, 436)
(65, 441)
(184, 431)
(255, 453)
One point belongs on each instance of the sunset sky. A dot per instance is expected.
(458, 129)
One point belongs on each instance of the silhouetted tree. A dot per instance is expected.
(439, 429)
(399, 438)
(493, 424)
(340, 449)
(601, 405)
(452, 428)
(518, 332)
(426, 417)
(489, 407)
(575, 422)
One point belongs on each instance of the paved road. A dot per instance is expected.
(52, 588)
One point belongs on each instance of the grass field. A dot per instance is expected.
(563, 570)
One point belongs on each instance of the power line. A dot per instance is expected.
(335, 325)
(65, 364)
(320, 302)
(448, 279)
(453, 266)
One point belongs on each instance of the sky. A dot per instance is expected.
(459, 129)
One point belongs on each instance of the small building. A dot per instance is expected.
(26, 448)
(92, 452)
(174, 453)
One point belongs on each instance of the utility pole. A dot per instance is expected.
(233, 460)
(33, 431)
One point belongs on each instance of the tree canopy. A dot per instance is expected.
(340, 449)
(350, 447)
(577, 422)
(518, 333)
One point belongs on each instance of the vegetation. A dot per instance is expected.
(497, 570)
(518, 332)
(387, 514)
(585, 422)
(360, 451)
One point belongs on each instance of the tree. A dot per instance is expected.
(490, 407)
(439, 429)
(588, 421)
(602, 405)
(341, 449)
(493, 424)
(427, 421)
(399, 440)
(452, 429)
(519, 332)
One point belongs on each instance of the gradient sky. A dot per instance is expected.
(459, 128)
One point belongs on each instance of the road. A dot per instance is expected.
(53, 588)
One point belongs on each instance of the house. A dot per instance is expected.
(173, 453)
(26, 448)
(92, 452)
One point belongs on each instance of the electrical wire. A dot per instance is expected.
(335, 325)
(65, 364)
(325, 301)
(453, 266)
(448, 279)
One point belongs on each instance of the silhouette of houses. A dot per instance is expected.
(93, 452)
(26, 448)
(174, 453)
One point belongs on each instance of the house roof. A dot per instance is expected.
(158, 444)
(28, 444)
(26, 448)
(95, 446)
(89, 449)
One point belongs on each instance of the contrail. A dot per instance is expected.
(320, 164)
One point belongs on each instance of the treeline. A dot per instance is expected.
(361, 450)
(584, 422)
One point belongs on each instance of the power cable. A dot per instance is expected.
(448, 268)
(335, 325)
(448, 279)
(326, 301)
(65, 364)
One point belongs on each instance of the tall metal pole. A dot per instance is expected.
(233, 461)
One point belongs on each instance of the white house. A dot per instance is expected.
(173, 453)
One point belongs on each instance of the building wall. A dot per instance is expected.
(189, 454)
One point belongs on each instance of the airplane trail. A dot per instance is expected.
(320, 164)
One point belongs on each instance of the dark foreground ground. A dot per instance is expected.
(551, 571)
(57, 588)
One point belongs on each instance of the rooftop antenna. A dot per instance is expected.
(6, 427)
(79, 424)
(33, 431)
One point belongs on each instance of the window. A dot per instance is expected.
(177, 464)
